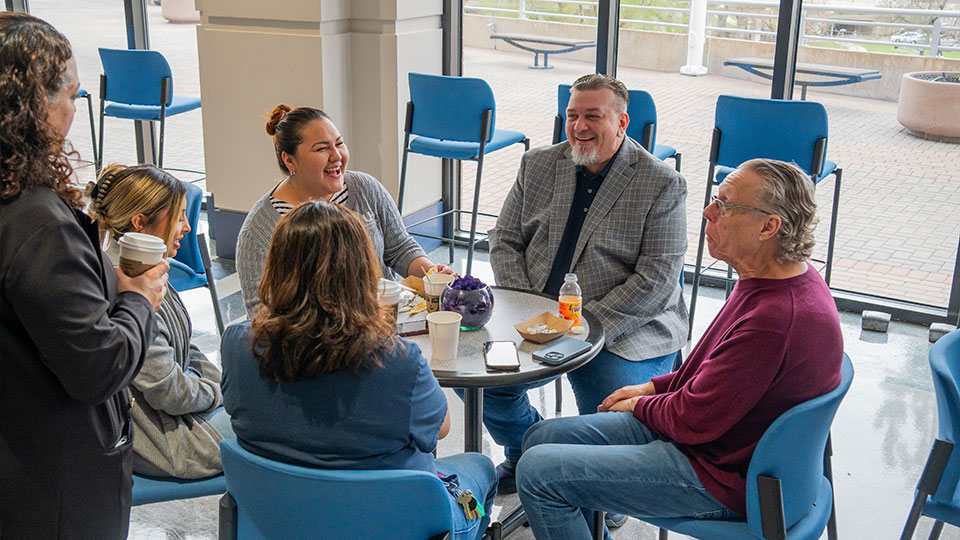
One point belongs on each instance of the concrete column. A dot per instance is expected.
(349, 58)
(696, 36)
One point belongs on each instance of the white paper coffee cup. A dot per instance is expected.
(444, 328)
(433, 286)
(388, 294)
(140, 252)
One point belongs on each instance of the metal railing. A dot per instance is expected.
(935, 37)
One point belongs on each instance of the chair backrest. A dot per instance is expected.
(791, 449)
(134, 76)
(450, 108)
(945, 365)
(641, 110)
(283, 501)
(770, 128)
(189, 252)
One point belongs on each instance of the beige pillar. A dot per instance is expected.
(350, 58)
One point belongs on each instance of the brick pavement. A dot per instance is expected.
(898, 228)
(898, 225)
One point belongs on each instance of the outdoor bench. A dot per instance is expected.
(835, 75)
(535, 44)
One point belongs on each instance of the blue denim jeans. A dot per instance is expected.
(605, 461)
(507, 412)
(475, 472)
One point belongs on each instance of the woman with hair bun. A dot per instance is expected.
(313, 157)
(73, 331)
(177, 418)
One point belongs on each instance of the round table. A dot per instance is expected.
(468, 371)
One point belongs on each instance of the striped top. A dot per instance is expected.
(283, 208)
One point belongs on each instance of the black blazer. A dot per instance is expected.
(69, 346)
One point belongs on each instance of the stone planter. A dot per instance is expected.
(179, 11)
(929, 105)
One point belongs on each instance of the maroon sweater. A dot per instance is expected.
(776, 343)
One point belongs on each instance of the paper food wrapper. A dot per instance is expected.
(416, 284)
(558, 325)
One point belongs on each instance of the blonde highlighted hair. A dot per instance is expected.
(122, 192)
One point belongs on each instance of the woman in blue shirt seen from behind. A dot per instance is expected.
(319, 379)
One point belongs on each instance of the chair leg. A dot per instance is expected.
(598, 525)
(697, 267)
(526, 144)
(211, 282)
(93, 129)
(929, 481)
(228, 518)
(99, 164)
(831, 240)
(160, 151)
(828, 472)
(559, 389)
(664, 534)
(936, 530)
(676, 159)
(473, 216)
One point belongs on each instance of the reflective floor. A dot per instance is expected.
(882, 433)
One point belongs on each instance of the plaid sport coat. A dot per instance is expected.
(628, 257)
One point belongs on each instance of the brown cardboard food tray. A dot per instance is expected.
(559, 325)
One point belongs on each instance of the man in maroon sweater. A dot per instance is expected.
(686, 447)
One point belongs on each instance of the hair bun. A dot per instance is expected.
(276, 116)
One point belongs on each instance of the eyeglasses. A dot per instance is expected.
(723, 207)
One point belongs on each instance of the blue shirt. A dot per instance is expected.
(587, 187)
(385, 418)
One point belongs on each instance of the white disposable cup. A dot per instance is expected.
(388, 294)
(140, 252)
(444, 328)
(433, 285)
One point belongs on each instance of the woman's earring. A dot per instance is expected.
(293, 173)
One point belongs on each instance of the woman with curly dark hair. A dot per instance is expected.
(319, 379)
(73, 331)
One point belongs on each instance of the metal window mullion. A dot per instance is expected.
(608, 34)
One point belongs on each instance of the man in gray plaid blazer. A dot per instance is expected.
(601, 206)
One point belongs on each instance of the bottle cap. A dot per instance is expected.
(570, 277)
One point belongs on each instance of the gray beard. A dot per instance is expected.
(582, 157)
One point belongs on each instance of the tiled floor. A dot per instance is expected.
(881, 435)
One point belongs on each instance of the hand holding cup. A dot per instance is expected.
(151, 284)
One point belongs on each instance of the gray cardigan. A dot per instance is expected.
(368, 198)
(176, 384)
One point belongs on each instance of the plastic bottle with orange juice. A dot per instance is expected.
(571, 299)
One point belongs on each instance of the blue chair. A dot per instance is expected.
(269, 500)
(137, 84)
(642, 128)
(453, 118)
(149, 489)
(937, 495)
(748, 128)
(191, 267)
(83, 94)
(789, 490)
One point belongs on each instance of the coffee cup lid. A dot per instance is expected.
(143, 242)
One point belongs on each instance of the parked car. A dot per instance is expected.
(908, 37)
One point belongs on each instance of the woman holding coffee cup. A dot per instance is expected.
(73, 330)
(320, 379)
(313, 157)
(177, 418)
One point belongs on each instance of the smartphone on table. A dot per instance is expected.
(561, 351)
(501, 356)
